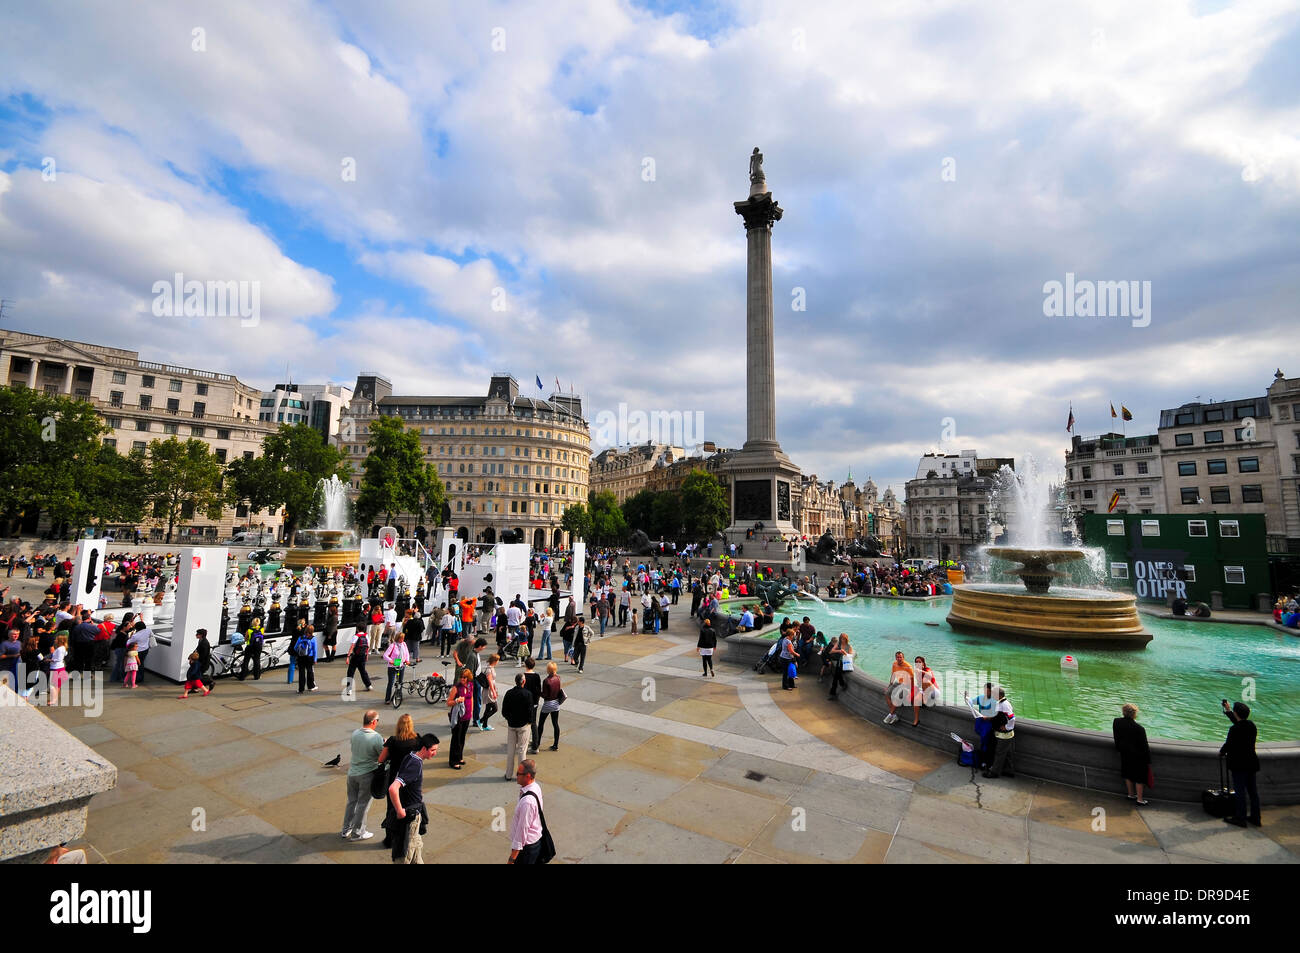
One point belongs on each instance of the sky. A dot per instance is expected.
(437, 191)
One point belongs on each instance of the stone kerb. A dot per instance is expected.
(1073, 756)
(47, 782)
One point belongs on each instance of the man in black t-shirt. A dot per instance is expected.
(407, 795)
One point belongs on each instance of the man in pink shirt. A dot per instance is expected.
(527, 825)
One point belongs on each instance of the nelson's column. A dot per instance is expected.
(762, 476)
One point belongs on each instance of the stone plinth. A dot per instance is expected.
(48, 780)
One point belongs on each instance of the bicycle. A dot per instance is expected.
(220, 664)
(432, 688)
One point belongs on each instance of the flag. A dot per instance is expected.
(1128, 414)
(539, 383)
(1113, 415)
(1069, 424)
(1114, 502)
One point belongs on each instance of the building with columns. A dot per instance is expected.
(951, 505)
(625, 472)
(141, 401)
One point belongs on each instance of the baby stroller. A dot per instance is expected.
(516, 648)
(771, 662)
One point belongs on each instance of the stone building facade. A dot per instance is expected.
(626, 472)
(142, 401)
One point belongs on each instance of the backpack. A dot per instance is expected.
(361, 646)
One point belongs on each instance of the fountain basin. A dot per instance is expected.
(1078, 617)
(331, 551)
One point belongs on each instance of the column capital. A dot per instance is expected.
(759, 211)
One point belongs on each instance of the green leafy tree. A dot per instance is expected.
(293, 462)
(638, 512)
(577, 522)
(666, 515)
(51, 443)
(182, 479)
(431, 495)
(118, 486)
(705, 507)
(392, 475)
(608, 527)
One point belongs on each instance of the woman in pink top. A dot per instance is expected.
(397, 657)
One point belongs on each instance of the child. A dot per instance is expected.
(132, 666)
(193, 677)
(58, 667)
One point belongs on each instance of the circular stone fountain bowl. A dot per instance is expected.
(1079, 617)
(330, 553)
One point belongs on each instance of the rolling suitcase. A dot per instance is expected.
(1219, 802)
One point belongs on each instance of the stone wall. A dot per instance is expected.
(1073, 756)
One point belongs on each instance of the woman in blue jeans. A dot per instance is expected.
(547, 623)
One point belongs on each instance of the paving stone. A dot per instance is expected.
(649, 841)
(779, 780)
(717, 812)
(274, 779)
(800, 836)
(675, 756)
(176, 740)
(985, 834)
(628, 786)
(1049, 844)
(606, 739)
(857, 802)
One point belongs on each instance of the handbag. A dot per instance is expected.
(561, 698)
(378, 787)
(847, 663)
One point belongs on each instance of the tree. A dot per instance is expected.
(118, 486)
(293, 462)
(392, 476)
(608, 527)
(50, 443)
(577, 522)
(705, 508)
(181, 479)
(666, 515)
(431, 495)
(638, 511)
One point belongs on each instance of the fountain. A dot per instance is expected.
(1034, 611)
(334, 541)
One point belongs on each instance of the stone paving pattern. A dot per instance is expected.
(724, 770)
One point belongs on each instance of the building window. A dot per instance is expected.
(1215, 466)
(142, 425)
(137, 445)
(1239, 434)
(221, 454)
(174, 386)
(114, 422)
(146, 402)
(1189, 574)
(1213, 436)
(1252, 493)
(1114, 527)
(1182, 440)
(1213, 416)
(110, 442)
(1197, 528)
(1190, 495)
(1185, 418)
(1087, 473)
(1242, 411)
(1187, 468)
(115, 398)
(146, 380)
(1119, 570)
(1144, 491)
(1229, 528)
(171, 428)
(173, 405)
(1087, 494)
(198, 432)
(1234, 575)
(1248, 464)
(1150, 527)
(1142, 468)
(223, 434)
(1220, 494)
(1069, 473)
(119, 377)
(200, 409)
(1119, 469)
(201, 390)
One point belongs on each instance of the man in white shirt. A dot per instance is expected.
(514, 618)
(526, 825)
(1004, 730)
